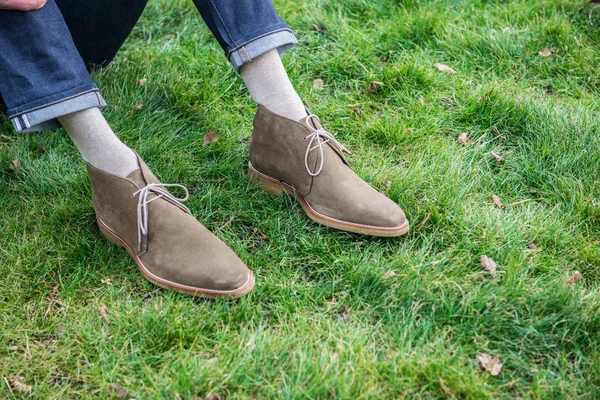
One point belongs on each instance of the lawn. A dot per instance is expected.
(333, 315)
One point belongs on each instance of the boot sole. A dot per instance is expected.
(113, 238)
(278, 188)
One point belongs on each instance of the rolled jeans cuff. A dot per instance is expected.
(281, 39)
(44, 117)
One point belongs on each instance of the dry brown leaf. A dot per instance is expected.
(545, 52)
(488, 264)
(532, 246)
(487, 95)
(317, 28)
(356, 110)
(574, 278)
(498, 157)
(138, 107)
(497, 201)
(421, 100)
(374, 85)
(15, 163)
(104, 313)
(17, 382)
(210, 137)
(490, 364)
(122, 393)
(389, 274)
(463, 138)
(444, 68)
(44, 343)
(141, 82)
(107, 281)
(318, 83)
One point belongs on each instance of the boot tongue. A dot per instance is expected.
(142, 176)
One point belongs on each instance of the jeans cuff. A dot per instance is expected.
(45, 117)
(281, 39)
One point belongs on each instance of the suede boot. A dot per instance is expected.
(170, 247)
(304, 160)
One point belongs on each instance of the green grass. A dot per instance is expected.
(325, 321)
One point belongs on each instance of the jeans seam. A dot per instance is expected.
(52, 102)
(223, 22)
(238, 47)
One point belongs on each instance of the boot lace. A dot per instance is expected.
(318, 138)
(159, 191)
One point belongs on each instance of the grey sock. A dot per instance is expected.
(269, 85)
(97, 142)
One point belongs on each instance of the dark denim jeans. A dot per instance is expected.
(44, 53)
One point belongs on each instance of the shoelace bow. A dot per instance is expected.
(322, 137)
(160, 192)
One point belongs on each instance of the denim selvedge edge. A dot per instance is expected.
(280, 39)
(45, 117)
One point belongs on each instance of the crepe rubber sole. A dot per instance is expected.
(277, 188)
(112, 237)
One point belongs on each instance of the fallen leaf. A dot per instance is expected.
(446, 389)
(141, 82)
(107, 281)
(317, 28)
(488, 264)
(374, 85)
(497, 201)
(19, 385)
(498, 157)
(444, 68)
(210, 137)
(13, 347)
(421, 100)
(490, 364)
(104, 313)
(389, 274)
(138, 107)
(574, 278)
(463, 138)
(44, 343)
(545, 52)
(487, 95)
(356, 110)
(41, 148)
(15, 163)
(532, 246)
(318, 83)
(122, 393)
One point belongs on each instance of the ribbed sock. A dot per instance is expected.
(97, 142)
(270, 86)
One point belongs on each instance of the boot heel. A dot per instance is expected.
(265, 184)
(109, 236)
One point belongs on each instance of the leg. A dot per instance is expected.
(290, 151)
(43, 79)
(252, 36)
